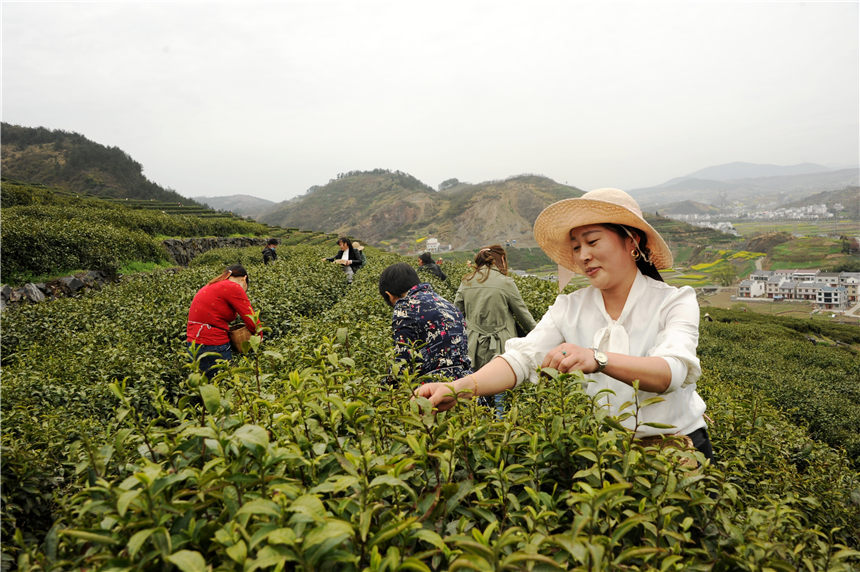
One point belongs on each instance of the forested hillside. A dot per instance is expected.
(71, 162)
(396, 209)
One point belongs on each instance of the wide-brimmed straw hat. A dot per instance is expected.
(600, 206)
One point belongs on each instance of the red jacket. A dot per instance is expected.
(213, 308)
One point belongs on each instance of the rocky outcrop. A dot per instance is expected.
(181, 250)
(58, 288)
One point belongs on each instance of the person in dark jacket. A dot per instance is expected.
(347, 256)
(428, 330)
(426, 264)
(269, 254)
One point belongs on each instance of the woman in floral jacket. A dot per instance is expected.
(429, 336)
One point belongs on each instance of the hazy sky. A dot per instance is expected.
(269, 98)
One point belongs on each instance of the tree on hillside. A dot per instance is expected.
(725, 275)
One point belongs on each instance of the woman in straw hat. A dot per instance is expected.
(627, 325)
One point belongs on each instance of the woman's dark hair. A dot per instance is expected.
(426, 258)
(488, 257)
(397, 279)
(345, 241)
(272, 241)
(644, 263)
(236, 270)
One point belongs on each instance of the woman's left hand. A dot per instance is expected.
(570, 357)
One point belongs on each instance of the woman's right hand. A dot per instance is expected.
(443, 396)
(568, 357)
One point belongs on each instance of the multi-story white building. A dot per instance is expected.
(804, 275)
(771, 287)
(760, 275)
(827, 279)
(829, 290)
(806, 290)
(831, 298)
(851, 282)
(751, 289)
(786, 289)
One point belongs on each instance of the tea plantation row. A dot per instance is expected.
(48, 233)
(117, 455)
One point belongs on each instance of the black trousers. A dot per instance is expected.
(702, 442)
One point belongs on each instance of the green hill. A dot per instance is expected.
(71, 162)
(396, 209)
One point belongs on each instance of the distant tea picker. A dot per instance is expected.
(212, 309)
(348, 257)
(627, 325)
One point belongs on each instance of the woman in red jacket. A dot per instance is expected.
(213, 308)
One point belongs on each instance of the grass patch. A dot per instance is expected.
(804, 228)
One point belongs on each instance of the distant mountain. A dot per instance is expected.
(242, 205)
(394, 208)
(740, 170)
(71, 162)
(720, 186)
(688, 207)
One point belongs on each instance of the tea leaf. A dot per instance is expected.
(260, 506)
(211, 397)
(188, 561)
(252, 436)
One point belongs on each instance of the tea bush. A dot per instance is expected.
(60, 244)
(48, 233)
(822, 393)
(118, 455)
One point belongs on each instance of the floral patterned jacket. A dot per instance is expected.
(429, 334)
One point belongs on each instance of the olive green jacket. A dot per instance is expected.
(492, 309)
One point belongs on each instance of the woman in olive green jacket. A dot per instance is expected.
(493, 306)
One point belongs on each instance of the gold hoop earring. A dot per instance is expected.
(635, 254)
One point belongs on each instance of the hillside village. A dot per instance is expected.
(827, 290)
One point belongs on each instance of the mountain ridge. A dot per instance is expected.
(240, 204)
(69, 161)
(396, 209)
(775, 187)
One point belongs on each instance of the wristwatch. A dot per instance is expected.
(601, 359)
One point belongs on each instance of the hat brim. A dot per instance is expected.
(553, 225)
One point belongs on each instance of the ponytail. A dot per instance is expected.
(236, 270)
(488, 257)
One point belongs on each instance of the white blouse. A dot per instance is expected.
(657, 320)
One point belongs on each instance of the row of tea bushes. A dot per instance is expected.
(814, 383)
(327, 469)
(58, 359)
(49, 233)
(301, 457)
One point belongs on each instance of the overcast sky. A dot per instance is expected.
(270, 98)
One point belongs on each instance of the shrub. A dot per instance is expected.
(121, 456)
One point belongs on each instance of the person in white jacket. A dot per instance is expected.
(627, 325)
